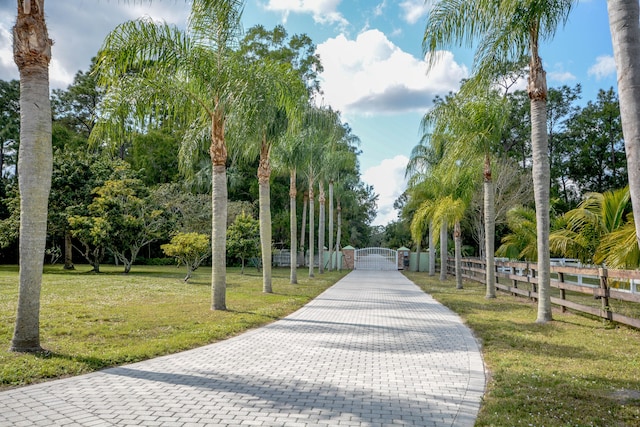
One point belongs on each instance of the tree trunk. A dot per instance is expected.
(264, 174)
(625, 37)
(457, 238)
(303, 227)
(321, 218)
(418, 250)
(293, 228)
(489, 229)
(541, 180)
(443, 250)
(32, 53)
(339, 235)
(218, 153)
(331, 251)
(68, 252)
(311, 225)
(432, 251)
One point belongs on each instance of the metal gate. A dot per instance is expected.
(376, 259)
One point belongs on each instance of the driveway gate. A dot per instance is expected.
(376, 259)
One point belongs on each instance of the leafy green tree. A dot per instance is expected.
(243, 239)
(155, 155)
(187, 212)
(560, 109)
(77, 106)
(596, 159)
(190, 249)
(9, 124)
(122, 218)
(505, 31)
(32, 54)
(192, 77)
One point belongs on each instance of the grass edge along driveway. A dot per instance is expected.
(574, 371)
(93, 321)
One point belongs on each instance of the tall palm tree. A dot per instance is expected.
(32, 54)
(288, 156)
(505, 30)
(625, 35)
(192, 77)
(468, 125)
(276, 89)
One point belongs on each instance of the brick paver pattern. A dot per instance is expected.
(373, 350)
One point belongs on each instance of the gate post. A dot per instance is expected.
(403, 258)
(349, 257)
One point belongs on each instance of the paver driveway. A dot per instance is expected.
(373, 350)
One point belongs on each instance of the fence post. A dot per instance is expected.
(562, 292)
(534, 286)
(514, 283)
(605, 292)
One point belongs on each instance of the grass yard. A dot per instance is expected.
(574, 371)
(93, 321)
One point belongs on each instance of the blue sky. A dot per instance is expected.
(372, 54)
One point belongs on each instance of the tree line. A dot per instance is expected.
(572, 172)
(173, 132)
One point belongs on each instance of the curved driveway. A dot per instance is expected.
(373, 350)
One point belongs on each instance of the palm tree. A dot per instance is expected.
(275, 95)
(467, 125)
(505, 30)
(192, 77)
(588, 231)
(521, 242)
(32, 54)
(625, 35)
(288, 156)
(289, 67)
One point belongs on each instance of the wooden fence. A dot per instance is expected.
(609, 294)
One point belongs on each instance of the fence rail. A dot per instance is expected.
(609, 294)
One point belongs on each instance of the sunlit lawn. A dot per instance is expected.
(574, 371)
(92, 321)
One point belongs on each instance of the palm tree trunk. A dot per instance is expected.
(218, 153)
(541, 181)
(293, 228)
(443, 250)
(418, 251)
(264, 201)
(489, 229)
(311, 225)
(331, 251)
(432, 251)
(338, 235)
(32, 53)
(321, 218)
(625, 35)
(303, 226)
(457, 238)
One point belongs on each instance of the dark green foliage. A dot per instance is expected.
(243, 238)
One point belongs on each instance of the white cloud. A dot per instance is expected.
(323, 11)
(561, 76)
(372, 75)
(389, 183)
(413, 10)
(605, 66)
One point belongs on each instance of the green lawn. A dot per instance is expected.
(574, 371)
(92, 321)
